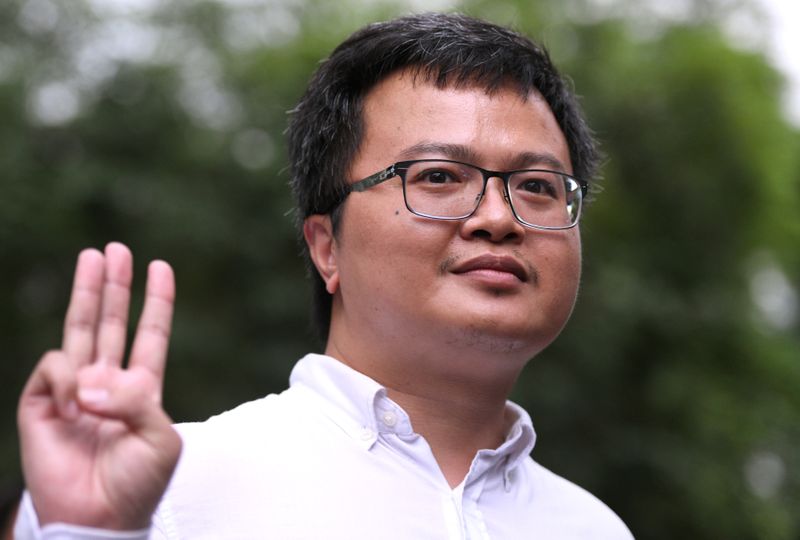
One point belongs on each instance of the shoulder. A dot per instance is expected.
(267, 414)
(244, 434)
(568, 506)
(232, 421)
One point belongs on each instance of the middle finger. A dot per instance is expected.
(113, 325)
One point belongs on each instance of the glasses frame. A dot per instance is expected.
(401, 167)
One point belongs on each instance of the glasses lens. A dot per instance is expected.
(545, 198)
(442, 189)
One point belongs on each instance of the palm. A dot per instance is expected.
(97, 448)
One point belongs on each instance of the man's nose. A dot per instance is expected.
(493, 218)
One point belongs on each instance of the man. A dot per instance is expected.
(438, 163)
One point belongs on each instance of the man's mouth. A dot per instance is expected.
(493, 263)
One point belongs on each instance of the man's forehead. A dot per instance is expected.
(418, 118)
(392, 92)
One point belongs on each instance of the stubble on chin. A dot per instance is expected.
(482, 339)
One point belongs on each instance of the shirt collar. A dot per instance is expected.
(347, 397)
(360, 407)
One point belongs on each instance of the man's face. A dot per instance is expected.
(485, 283)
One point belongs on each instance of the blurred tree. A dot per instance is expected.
(671, 393)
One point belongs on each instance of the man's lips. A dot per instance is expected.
(496, 263)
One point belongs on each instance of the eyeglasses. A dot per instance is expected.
(450, 190)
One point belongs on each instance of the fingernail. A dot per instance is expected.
(93, 395)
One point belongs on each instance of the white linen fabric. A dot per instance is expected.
(333, 457)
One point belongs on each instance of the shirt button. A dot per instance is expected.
(389, 418)
(367, 434)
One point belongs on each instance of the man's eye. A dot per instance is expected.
(539, 187)
(437, 177)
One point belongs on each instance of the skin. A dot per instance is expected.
(448, 345)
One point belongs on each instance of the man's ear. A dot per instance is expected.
(318, 233)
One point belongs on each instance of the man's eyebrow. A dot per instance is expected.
(457, 152)
(527, 160)
(460, 152)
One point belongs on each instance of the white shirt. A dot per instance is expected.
(333, 457)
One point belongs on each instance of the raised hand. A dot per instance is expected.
(97, 448)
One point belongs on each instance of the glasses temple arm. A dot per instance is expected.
(373, 180)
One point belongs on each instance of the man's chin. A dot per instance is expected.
(497, 340)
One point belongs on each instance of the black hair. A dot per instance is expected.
(448, 50)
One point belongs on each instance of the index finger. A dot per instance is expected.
(80, 323)
(150, 345)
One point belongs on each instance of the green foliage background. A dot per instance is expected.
(672, 395)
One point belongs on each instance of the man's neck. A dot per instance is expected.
(457, 404)
(456, 429)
